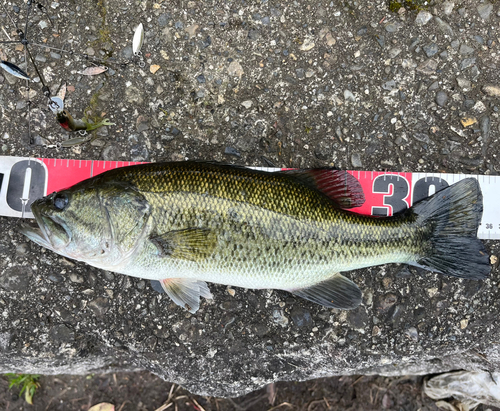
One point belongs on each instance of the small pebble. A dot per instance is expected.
(307, 45)
(348, 96)
(356, 160)
(389, 85)
(464, 84)
(428, 67)
(423, 18)
(448, 7)
(466, 63)
(444, 27)
(232, 152)
(491, 90)
(391, 28)
(485, 10)
(430, 49)
(441, 98)
(465, 49)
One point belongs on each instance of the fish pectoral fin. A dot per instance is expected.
(336, 292)
(186, 292)
(192, 244)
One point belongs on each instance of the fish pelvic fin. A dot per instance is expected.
(186, 292)
(336, 292)
(193, 244)
(454, 215)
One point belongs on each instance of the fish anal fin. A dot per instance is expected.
(186, 292)
(339, 185)
(192, 244)
(336, 292)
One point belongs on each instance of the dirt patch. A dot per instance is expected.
(143, 391)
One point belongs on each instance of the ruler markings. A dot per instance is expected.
(57, 180)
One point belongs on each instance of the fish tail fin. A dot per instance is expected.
(453, 216)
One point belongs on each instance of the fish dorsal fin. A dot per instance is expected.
(192, 244)
(186, 292)
(340, 186)
(336, 292)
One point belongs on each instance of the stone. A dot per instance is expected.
(232, 152)
(394, 52)
(485, 10)
(348, 96)
(391, 27)
(192, 30)
(61, 333)
(428, 67)
(16, 278)
(356, 160)
(485, 124)
(491, 90)
(466, 63)
(441, 98)
(330, 40)
(465, 49)
(389, 85)
(133, 95)
(154, 68)
(307, 45)
(301, 318)
(423, 17)
(448, 7)
(235, 69)
(430, 49)
(464, 84)
(444, 27)
(99, 306)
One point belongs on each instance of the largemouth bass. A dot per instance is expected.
(191, 222)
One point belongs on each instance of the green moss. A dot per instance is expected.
(417, 5)
(394, 6)
(104, 31)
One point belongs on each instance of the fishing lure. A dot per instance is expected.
(138, 39)
(13, 70)
(69, 123)
(93, 71)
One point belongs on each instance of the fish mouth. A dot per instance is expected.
(50, 232)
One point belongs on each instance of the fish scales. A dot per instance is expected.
(191, 222)
(268, 225)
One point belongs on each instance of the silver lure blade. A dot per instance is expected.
(138, 39)
(13, 69)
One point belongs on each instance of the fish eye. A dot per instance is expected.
(60, 201)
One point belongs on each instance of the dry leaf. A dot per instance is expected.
(103, 406)
(468, 121)
(154, 68)
(92, 71)
(62, 92)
